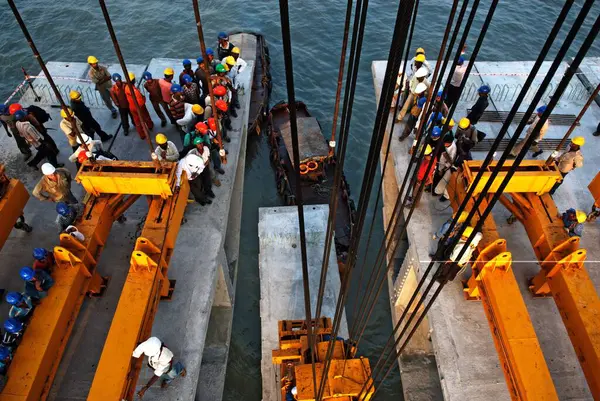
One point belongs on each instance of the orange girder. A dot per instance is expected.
(563, 275)
(146, 283)
(11, 207)
(594, 187)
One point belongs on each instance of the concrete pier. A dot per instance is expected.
(196, 323)
(461, 343)
(281, 292)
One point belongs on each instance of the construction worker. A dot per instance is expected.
(165, 89)
(573, 221)
(240, 64)
(194, 168)
(89, 144)
(9, 123)
(90, 125)
(5, 359)
(154, 92)
(225, 46)
(176, 103)
(193, 113)
(453, 90)
(117, 93)
(215, 150)
(201, 77)
(232, 70)
(419, 77)
(35, 139)
(433, 137)
(67, 215)
(141, 103)
(418, 101)
(37, 123)
(101, 77)
(569, 160)
(161, 360)
(43, 259)
(445, 168)
(13, 332)
(466, 257)
(439, 103)
(200, 131)
(221, 108)
(66, 127)
(37, 283)
(597, 133)
(21, 305)
(187, 70)
(428, 159)
(419, 61)
(166, 150)
(444, 228)
(533, 121)
(191, 92)
(55, 185)
(220, 78)
(480, 105)
(202, 149)
(466, 139)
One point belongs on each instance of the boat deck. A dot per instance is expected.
(461, 341)
(196, 323)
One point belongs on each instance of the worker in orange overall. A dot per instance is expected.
(141, 100)
(117, 93)
(428, 159)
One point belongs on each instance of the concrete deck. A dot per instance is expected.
(460, 336)
(281, 292)
(196, 323)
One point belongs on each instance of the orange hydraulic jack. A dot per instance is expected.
(13, 198)
(493, 282)
(346, 376)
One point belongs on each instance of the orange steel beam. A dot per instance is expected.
(11, 207)
(493, 282)
(146, 284)
(563, 275)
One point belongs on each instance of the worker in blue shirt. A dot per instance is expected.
(573, 221)
(37, 283)
(21, 305)
(5, 359)
(14, 331)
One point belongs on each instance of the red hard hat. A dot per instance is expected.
(13, 108)
(221, 105)
(219, 90)
(82, 156)
(212, 124)
(201, 127)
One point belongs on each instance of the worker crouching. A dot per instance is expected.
(37, 282)
(573, 221)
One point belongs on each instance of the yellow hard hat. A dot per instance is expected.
(131, 76)
(451, 124)
(464, 123)
(74, 95)
(420, 58)
(420, 50)
(578, 140)
(161, 139)
(92, 60)
(230, 60)
(581, 216)
(235, 50)
(428, 150)
(169, 71)
(64, 115)
(468, 231)
(463, 217)
(197, 109)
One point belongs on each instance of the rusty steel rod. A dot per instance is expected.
(28, 79)
(40, 60)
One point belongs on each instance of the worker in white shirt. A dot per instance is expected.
(198, 176)
(239, 62)
(419, 61)
(445, 168)
(192, 115)
(161, 359)
(93, 145)
(466, 257)
(569, 160)
(166, 150)
(419, 77)
(453, 93)
(533, 123)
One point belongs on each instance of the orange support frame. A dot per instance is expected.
(11, 207)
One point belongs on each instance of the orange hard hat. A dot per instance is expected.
(13, 108)
(201, 127)
(220, 90)
(221, 105)
(212, 124)
(82, 156)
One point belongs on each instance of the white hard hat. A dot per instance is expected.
(421, 87)
(421, 72)
(152, 346)
(294, 391)
(195, 162)
(86, 139)
(48, 169)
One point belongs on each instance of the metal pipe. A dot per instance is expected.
(28, 79)
(574, 125)
(40, 60)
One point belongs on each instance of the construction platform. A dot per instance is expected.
(456, 336)
(196, 323)
(281, 291)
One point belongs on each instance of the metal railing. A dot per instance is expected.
(509, 92)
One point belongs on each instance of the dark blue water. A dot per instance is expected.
(71, 30)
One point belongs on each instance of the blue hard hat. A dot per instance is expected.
(440, 93)
(26, 273)
(40, 253)
(436, 116)
(62, 208)
(3, 109)
(223, 35)
(12, 325)
(210, 52)
(117, 77)
(200, 59)
(461, 60)
(175, 88)
(484, 89)
(4, 352)
(14, 298)
(541, 109)
(186, 79)
(20, 114)
(186, 62)
(421, 102)
(436, 133)
(147, 75)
